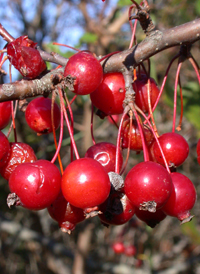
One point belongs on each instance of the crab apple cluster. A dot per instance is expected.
(99, 183)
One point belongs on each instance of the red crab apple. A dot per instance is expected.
(4, 149)
(148, 186)
(130, 250)
(85, 183)
(140, 87)
(182, 198)
(87, 71)
(18, 153)
(118, 247)
(24, 56)
(116, 210)
(174, 146)
(38, 115)
(65, 214)
(198, 151)
(136, 141)
(5, 114)
(34, 185)
(150, 218)
(105, 154)
(110, 94)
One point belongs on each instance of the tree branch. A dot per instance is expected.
(30, 88)
(156, 42)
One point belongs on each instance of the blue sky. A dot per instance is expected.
(71, 36)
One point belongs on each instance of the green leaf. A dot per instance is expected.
(88, 37)
(197, 7)
(122, 3)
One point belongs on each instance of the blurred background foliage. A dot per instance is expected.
(30, 241)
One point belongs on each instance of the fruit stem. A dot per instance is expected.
(72, 122)
(11, 126)
(3, 51)
(54, 133)
(129, 142)
(91, 125)
(68, 124)
(13, 119)
(3, 61)
(113, 120)
(133, 28)
(126, 109)
(149, 105)
(181, 115)
(175, 94)
(108, 55)
(156, 138)
(59, 44)
(163, 85)
(144, 145)
(73, 99)
(195, 66)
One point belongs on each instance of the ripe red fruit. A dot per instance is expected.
(182, 198)
(4, 149)
(24, 56)
(87, 71)
(38, 115)
(5, 114)
(136, 141)
(110, 94)
(18, 153)
(34, 185)
(198, 151)
(117, 209)
(140, 87)
(65, 214)
(175, 149)
(116, 118)
(105, 154)
(148, 186)
(85, 183)
(130, 250)
(118, 247)
(150, 218)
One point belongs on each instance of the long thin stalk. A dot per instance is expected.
(68, 125)
(157, 141)
(175, 96)
(58, 147)
(126, 109)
